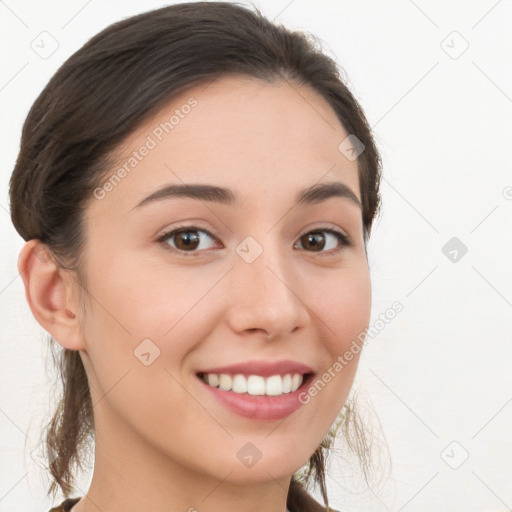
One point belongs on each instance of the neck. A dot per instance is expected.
(143, 478)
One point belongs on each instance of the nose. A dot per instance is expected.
(265, 296)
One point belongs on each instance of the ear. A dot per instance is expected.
(48, 290)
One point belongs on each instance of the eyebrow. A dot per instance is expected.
(204, 192)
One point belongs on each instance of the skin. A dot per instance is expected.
(162, 443)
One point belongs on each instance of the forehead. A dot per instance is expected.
(249, 135)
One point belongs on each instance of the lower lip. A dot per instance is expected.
(260, 407)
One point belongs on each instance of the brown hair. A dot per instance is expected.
(100, 95)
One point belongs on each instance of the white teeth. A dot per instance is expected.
(274, 385)
(239, 384)
(225, 382)
(296, 381)
(212, 379)
(287, 383)
(255, 384)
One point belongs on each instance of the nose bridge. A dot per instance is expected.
(265, 295)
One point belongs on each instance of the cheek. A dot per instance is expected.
(144, 320)
(343, 311)
(142, 299)
(345, 307)
(141, 327)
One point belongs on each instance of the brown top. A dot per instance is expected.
(301, 502)
(66, 505)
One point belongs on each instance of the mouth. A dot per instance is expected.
(258, 390)
(257, 385)
(256, 397)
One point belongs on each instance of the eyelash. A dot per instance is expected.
(342, 238)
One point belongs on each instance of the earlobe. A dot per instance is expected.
(49, 296)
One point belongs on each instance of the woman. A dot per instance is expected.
(196, 187)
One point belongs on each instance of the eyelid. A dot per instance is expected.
(346, 240)
(184, 227)
(327, 227)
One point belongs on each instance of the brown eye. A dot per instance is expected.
(314, 241)
(185, 240)
(188, 239)
(328, 239)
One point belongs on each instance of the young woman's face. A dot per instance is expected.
(253, 276)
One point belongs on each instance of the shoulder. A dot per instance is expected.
(66, 505)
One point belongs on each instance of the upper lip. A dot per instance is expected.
(263, 368)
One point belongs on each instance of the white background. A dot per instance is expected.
(440, 371)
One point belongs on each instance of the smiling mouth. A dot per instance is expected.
(257, 385)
